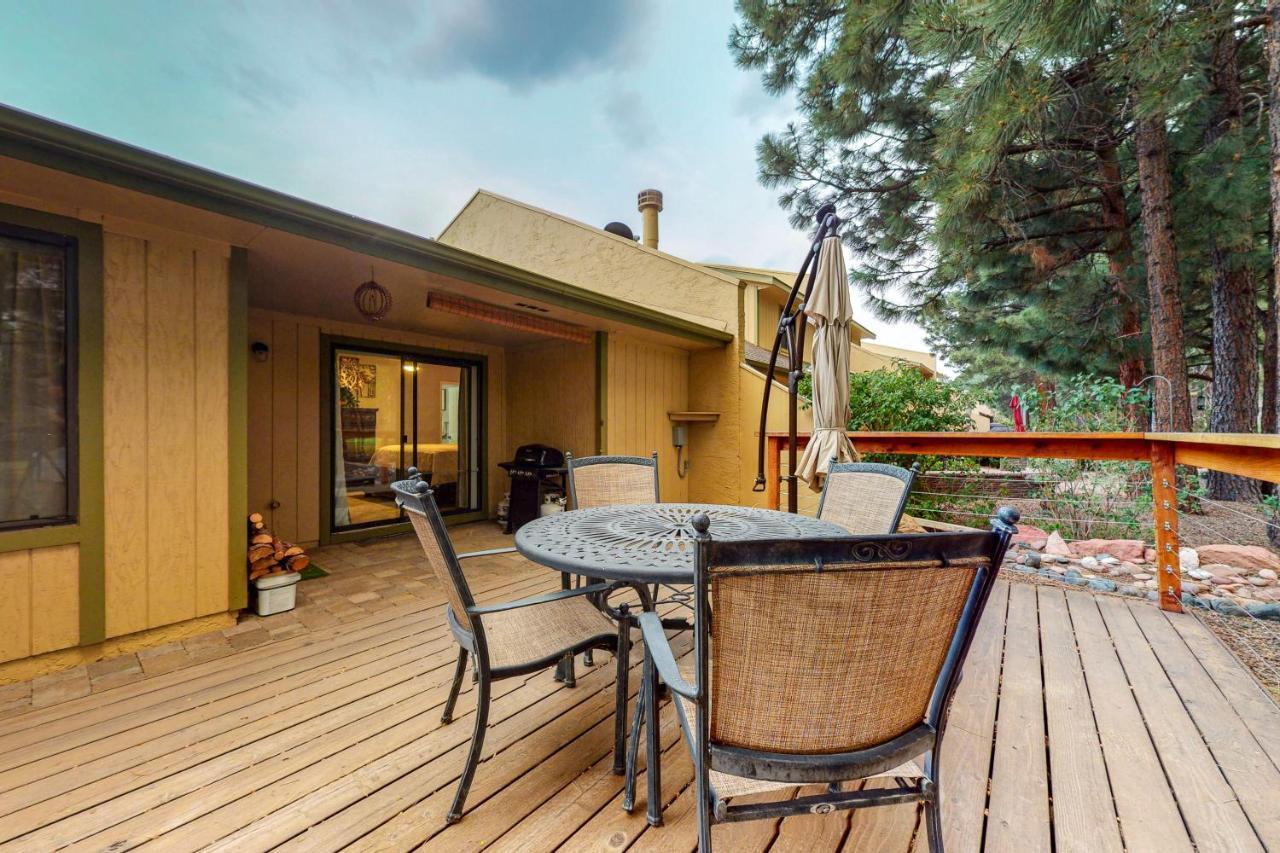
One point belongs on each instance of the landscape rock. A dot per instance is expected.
(1250, 557)
(1220, 570)
(1032, 537)
(1260, 581)
(1130, 589)
(1108, 560)
(1089, 562)
(1264, 611)
(1056, 545)
(1227, 607)
(1142, 576)
(1122, 549)
(1200, 574)
(1268, 574)
(1189, 559)
(1149, 555)
(1189, 587)
(1033, 560)
(1102, 585)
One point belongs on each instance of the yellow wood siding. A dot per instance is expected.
(645, 381)
(285, 417)
(40, 589)
(551, 397)
(165, 430)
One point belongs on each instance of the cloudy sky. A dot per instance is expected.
(398, 110)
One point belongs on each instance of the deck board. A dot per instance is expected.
(1094, 723)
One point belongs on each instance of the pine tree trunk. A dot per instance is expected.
(1168, 353)
(1271, 348)
(1234, 299)
(1115, 218)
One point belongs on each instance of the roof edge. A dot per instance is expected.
(45, 142)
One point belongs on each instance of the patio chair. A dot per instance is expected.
(866, 497)
(609, 481)
(513, 638)
(612, 480)
(826, 661)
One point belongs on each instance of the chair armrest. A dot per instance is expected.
(490, 553)
(657, 647)
(481, 609)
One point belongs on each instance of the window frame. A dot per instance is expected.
(70, 245)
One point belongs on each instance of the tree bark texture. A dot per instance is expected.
(1233, 293)
(1168, 353)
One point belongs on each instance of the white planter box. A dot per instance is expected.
(277, 593)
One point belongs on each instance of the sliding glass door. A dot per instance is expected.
(397, 410)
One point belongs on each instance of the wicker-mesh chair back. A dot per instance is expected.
(441, 557)
(613, 483)
(807, 661)
(863, 501)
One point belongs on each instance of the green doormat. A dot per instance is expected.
(312, 572)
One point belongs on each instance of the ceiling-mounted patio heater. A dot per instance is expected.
(791, 328)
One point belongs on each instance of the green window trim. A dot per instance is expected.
(89, 529)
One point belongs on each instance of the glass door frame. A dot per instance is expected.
(329, 347)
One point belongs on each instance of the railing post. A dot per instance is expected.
(1164, 494)
(773, 473)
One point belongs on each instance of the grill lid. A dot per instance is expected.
(537, 456)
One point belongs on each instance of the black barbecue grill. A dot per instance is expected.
(536, 470)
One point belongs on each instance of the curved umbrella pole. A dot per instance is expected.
(791, 328)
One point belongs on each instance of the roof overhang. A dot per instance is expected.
(34, 139)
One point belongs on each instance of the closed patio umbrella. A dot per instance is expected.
(830, 309)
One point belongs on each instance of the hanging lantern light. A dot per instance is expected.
(372, 300)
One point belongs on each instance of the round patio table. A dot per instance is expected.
(650, 543)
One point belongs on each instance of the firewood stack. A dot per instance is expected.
(271, 555)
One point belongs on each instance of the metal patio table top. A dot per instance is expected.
(650, 543)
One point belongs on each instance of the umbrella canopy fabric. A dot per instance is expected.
(830, 309)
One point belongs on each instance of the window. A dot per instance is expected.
(37, 380)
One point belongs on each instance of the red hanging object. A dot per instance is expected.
(1019, 422)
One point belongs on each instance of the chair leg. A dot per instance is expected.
(565, 671)
(633, 752)
(588, 659)
(473, 755)
(933, 824)
(447, 716)
(653, 744)
(704, 815)
(623, 692)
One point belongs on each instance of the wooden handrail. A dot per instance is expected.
(1256, 456)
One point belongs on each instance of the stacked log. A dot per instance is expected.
(271, 555)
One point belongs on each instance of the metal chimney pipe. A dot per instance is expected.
(650, 203)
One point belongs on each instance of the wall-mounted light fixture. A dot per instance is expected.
(259, 350)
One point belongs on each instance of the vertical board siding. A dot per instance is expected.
(645, 382)
(55, 598)
(260, 420)
(166, 442)
(566, 370)
(285, 427)
(171, 422)
(285, 420)
(40, 591)
(211, 487)
(15, 592)
(308, 474)
(125, 432)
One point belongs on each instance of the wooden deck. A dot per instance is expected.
(1083, 723)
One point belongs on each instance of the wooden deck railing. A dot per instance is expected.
(1256, 456)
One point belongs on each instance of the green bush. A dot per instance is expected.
(902, 399)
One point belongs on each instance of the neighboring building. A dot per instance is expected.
(186, 348)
